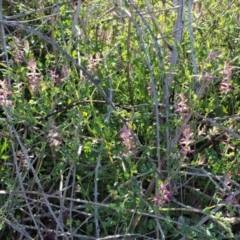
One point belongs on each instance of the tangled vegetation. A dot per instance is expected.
(120, 119)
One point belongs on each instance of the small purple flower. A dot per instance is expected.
(127, 141)
(213, 55)
(231, 199)
(163, 195)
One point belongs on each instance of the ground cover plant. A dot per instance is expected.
(119, 119)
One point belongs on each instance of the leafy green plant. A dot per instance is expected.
(119, 119)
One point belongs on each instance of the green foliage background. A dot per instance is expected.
(100, 65)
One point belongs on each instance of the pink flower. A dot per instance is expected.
(208, 77)
(225, 85)
(127, 141)
(4, 92)
(33, 76)
(53, 137)
(54, 76)
(186, 141)
(58, 76)
(94, 61)
(17, 52)
(182, 107)
(163, 195)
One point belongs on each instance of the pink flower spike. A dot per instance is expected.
(163, 195)
(182, 108)
(4, 93)
(34, 77)
(226, 86)
(186, 141)
(127, 141)
(53, 137)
